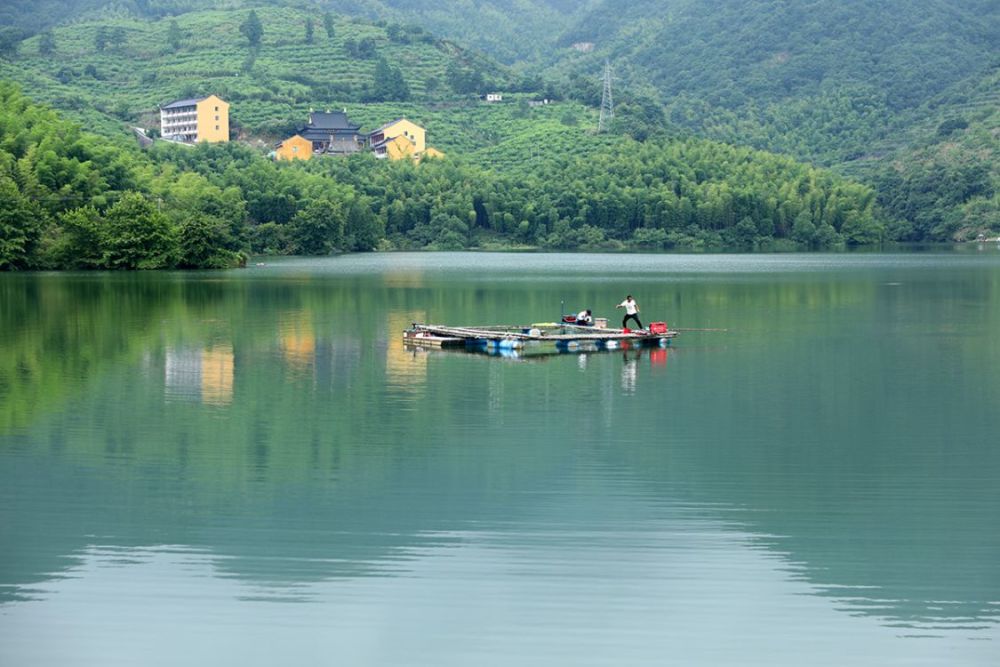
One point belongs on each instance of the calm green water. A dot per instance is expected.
(249, 468)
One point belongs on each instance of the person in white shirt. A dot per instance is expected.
(631, 311)
(585, 318)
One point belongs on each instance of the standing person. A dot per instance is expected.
(631, 311)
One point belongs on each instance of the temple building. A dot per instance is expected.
(332, 133)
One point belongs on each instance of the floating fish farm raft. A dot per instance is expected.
(562, 336)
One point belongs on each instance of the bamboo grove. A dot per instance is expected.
(69, 199)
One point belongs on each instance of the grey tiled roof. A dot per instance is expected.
(183, 103)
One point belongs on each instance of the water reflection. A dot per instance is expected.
(630, 372)
(405, 367)
(199, 374)
(297, 340)
(826, 463)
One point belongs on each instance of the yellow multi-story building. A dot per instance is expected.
(196, 119)
(398, 139)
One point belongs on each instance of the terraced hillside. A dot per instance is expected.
(271, 87)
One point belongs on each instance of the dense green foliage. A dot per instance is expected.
(67, 200)
(860, 86)
(926, 143)
(70, 200)
(510, 30)
(271, 85)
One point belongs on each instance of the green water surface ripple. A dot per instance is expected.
(250, 468)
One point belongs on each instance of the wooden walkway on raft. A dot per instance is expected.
(519, 335)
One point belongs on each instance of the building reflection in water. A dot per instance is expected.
(297, 339)
(202, 375)
(217, 375)
(405, 367)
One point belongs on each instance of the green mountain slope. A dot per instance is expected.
(859, 86)
(514, 174)
(71, 200)
(510, 30)
(856, 85)
(946, 180)
(271, 87)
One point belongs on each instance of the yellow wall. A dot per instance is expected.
(213, 119)
(295, 148)
(399, 148)
(430, 152)
(298, 339)
(410, 130)
(217, 375)
(406, 369)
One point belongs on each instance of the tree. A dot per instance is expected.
(10, 40)
(20, 227)
(861, 229)
(569, 118)
(366, 48)
(389, 84)
(101, 38)
(203, 240)
(137, 235)
(803, 230)
(82, 242)
(46, 43)
(328, 24)
(317, 229)
(174, 36)
(396, 33)
(362, 228)
(252, 29)
(309, 30)
(118, 37)
(463, 79)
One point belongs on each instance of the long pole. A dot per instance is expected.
(680, 329)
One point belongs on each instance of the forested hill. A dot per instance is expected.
(510, 30)
(901, 95)
(771, 50)
(69, 199)
(817, 79)
(118, 69)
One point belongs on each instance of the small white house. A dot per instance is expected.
(494, 97)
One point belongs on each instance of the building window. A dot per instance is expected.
(217, 127)
(216, 118)
(216, 108)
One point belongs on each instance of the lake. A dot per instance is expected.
(248, 467)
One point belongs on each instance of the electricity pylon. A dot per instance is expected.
(607, 104)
